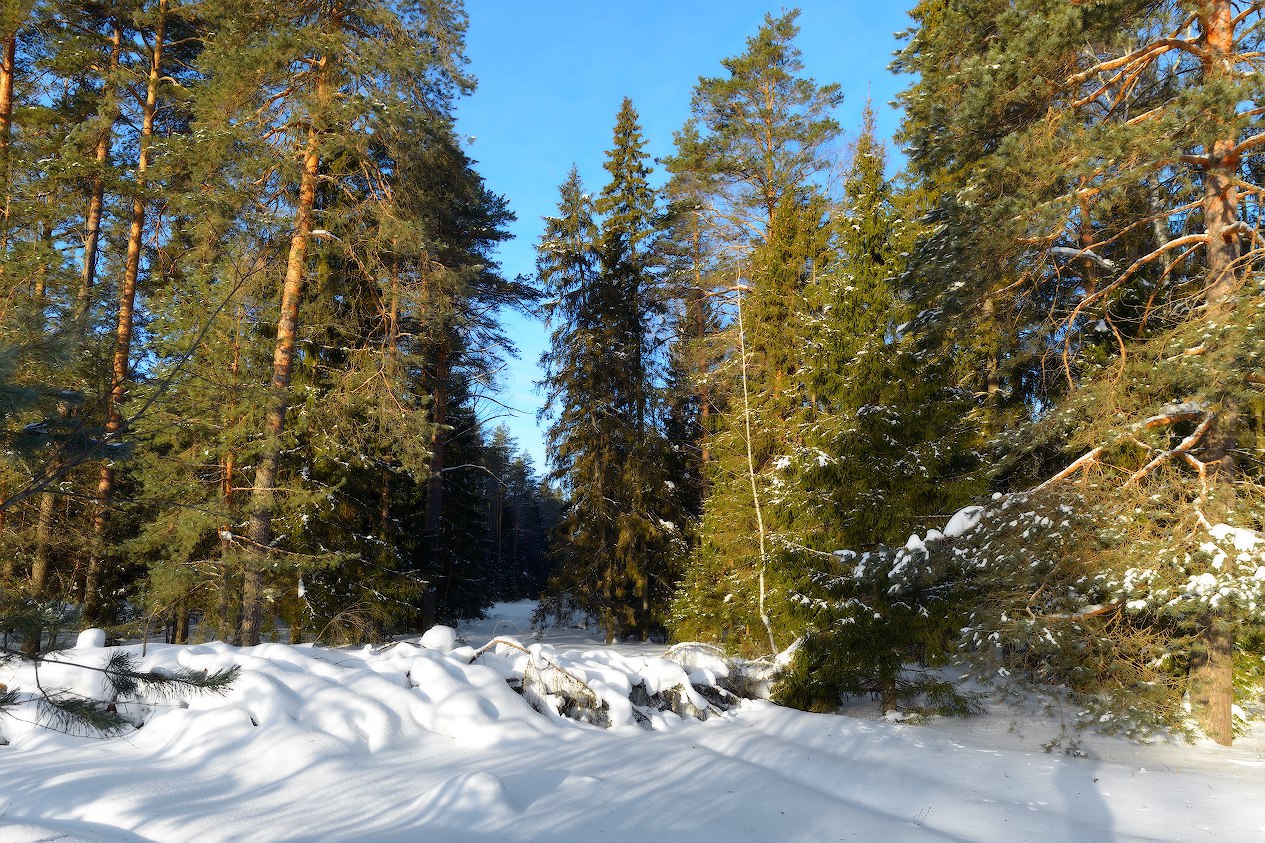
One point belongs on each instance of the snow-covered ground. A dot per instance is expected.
(410, 743)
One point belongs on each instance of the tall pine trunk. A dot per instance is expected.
(123, 323)
(1212, 673)
(263, 494)
(8, 59)
(83, 298)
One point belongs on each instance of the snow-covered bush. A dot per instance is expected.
(1113, 604)
(881, 621)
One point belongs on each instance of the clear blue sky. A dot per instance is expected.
(551, 77)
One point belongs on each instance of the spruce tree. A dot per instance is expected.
(621, 538)
(887, 446)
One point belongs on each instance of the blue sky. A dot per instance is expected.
(551, 77)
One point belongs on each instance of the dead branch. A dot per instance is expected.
(1181, 448)
(1081, 462)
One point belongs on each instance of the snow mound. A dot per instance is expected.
(470, 799)
(90, 638)
(441, 638)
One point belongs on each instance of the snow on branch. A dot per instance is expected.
(1088, 254)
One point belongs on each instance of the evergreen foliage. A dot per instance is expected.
(1095, 161)
(620, 539)
(744, 164)
(887, 446)
(169, 168)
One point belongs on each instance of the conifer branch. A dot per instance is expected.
(1182, 447)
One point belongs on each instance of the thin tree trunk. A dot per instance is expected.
(182, 623)
(751, 475)
(438, 440)
(392, 372)
(40, 566)
(96, 200)
(263, 495)
(123, 328)
(697, 307)
(43, 537)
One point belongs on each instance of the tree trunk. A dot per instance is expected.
(1212, 682)
(1221, 194)
(887, 692)
(123, 325)
(435, 484)
(263, 495)
(96, 201)
(1212, 674)
(8, 58)
(751, 475)
(182, 624)
(43, 536)
(40, 565)
(697, 317)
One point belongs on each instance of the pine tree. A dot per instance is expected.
(756, 140)
(1097, 154)
(757, 134)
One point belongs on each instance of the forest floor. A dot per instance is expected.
(410, 743)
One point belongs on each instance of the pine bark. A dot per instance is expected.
(123, 324)
(1212, 674)
(263, 494)
(8, 59)
(1221, 194)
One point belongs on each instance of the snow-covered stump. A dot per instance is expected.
(550, 688)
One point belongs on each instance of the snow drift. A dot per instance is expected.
(433, 742)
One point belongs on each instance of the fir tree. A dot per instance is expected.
(620, 537)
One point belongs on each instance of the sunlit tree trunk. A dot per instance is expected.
(263, 494)
(123, 325)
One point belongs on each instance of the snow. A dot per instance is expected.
(413, 742)
(963, 521)
(1244, 541)
(441, 638)
(90, 638)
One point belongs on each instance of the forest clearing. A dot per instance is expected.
(866, 403)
